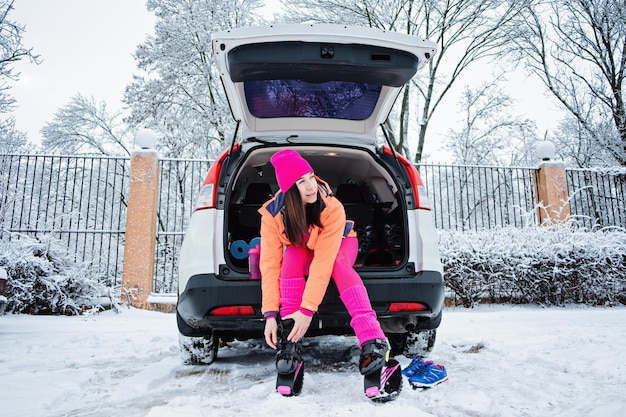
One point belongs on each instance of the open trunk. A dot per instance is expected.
(361, 180)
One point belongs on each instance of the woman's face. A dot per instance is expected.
(307, 185)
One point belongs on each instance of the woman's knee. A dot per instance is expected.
(345, 276)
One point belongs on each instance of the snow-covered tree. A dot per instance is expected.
(179, 94)
(84, 126)
(12, 141)
(11, 51)
(488, 133)
(577, 145)
(578, 49)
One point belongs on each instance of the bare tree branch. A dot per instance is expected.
(465, 30)
(578, 49)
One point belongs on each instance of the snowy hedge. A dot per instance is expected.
(546, 266)
(533, 265)
(44, 279)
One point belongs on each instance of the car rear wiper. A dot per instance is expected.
(255, 139)
(259, 140)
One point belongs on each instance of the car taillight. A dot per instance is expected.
(208, 193)
(406, 307)
(233, 311)
(419, 190)
(206, 197)
(423, 201)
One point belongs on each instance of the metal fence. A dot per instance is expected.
(180, 182)
(82, 202)
(479, 197)
(597, 197)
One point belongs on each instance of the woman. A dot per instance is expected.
(304, 232)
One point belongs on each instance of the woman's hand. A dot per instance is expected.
(301, 325)
(271, 332)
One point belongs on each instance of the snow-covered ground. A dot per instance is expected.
(501, 360)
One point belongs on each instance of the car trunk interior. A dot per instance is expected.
(357, 179)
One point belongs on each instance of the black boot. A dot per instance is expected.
(288, 353)
(289, 363)
(374, 355)
(382, 376)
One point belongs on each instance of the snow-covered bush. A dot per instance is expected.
(545, 265)
(44, 279)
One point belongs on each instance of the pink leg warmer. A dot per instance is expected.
(291, 290)
(364, 322)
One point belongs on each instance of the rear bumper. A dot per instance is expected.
(205, 292)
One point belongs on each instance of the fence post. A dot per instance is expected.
(551, 184)
(141, 226)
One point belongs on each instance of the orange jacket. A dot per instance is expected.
(324, 242)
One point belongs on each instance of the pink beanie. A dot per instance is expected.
(289, 167)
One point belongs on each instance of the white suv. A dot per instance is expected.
(323, 90)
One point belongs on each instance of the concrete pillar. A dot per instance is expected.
(552, 197)
(141, 229)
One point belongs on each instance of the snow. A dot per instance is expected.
(501, 360)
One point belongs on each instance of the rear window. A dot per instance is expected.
(296, 98)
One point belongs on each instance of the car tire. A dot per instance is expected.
(414, 343)
(420, 343)
(201, 350)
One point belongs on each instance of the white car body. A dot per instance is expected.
(323, 90)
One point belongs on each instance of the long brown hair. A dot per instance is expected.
(298, 218)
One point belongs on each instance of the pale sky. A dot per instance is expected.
(86, 47)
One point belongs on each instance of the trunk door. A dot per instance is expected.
(300, 79)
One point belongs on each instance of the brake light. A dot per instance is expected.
(208, 193)
(233, 311)
(419, 190)
(406, 307)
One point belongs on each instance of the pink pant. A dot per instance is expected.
(296, 263)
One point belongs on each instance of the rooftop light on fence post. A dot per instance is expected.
(546, 150)
(146, 138)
